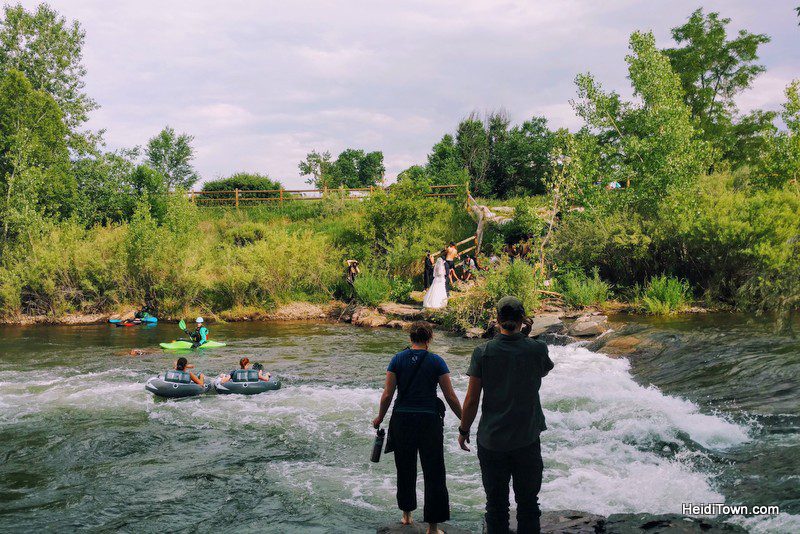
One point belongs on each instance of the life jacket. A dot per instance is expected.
(245, 375)
(180, 377)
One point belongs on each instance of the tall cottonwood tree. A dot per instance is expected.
(653, 141)
(48, 50)
(714, 68)
(33, 158)
(171, 155)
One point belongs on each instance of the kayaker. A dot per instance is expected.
(200, 334)
(244, 363)
(143, 313)
(182, 364)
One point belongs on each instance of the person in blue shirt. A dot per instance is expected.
(200, 334)
(416, 425)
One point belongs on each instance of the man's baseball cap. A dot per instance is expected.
(510, 308)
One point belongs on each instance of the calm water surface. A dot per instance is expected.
(712, 416)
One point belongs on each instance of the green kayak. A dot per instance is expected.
(177, 345)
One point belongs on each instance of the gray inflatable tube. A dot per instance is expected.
(250, 387)
(174, 385)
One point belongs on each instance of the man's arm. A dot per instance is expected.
(386, 398)
(449, 394)
(547, 363)
(470, 410)
(197, 379)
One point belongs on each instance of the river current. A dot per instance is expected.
(713, 417)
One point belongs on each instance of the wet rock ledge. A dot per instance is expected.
(574, 522)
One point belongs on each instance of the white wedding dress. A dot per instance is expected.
(436, 296)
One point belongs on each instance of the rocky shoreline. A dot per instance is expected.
(575, 522)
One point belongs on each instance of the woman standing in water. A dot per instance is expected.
(416, 426)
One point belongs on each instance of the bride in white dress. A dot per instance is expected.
(436, 296)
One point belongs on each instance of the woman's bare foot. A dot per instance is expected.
(406, 520)
(433, 528)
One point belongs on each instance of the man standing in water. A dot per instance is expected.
(509, 370)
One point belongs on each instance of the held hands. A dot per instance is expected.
(463, 439)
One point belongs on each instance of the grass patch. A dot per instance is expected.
(580, 290)
(664, 295)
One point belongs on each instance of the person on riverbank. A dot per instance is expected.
(509, 371)
(450, 259)
(182, 364)
(200, 334)
(427, 277)
(416, 426)
(144, 313)
(244, 365)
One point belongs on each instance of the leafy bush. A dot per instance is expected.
(247, 233)
(518, 279)
(580, 290)
(372, 289)
(401, 289)
(464, 310)
(243, 181)
(664, 295)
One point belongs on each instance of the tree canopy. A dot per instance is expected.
(48, 50)
(353, 168)
(171, 155)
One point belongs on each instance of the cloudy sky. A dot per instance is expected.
(260, 84)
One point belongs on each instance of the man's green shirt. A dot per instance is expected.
(511, 370)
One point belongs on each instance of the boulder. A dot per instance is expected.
(667, 523)
(418, 528)
(588, 325)
(546, 322)
(475, 332)
(400, 325)
(298, 311)
(368, 317)
(404, 311)
(569, 521)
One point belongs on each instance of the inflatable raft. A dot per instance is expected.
(183, 344)
(246, 382)
(175, 385)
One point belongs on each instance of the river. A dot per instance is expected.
(711, 418)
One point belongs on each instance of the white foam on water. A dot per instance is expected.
(604, 450)
(769, 524)
(26, 393)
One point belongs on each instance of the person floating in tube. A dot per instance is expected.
(183, 365)
(200, 334)
(244, 363)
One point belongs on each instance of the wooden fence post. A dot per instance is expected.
(281, 201)
(236, 192)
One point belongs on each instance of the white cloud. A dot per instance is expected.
(259, 84)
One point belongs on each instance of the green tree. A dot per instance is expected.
(33, 158)
(780, 162)
(317, 167)
(49, 51)
(654, 143)
(171, 155)
(713, 69)
(472, 144)
(521, 162)
(444, 161)
(244, 181)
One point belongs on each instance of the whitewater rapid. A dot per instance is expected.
(612, 445)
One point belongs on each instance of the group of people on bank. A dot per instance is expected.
(506, 373)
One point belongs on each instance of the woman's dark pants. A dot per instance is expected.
(523, 466)
(420, 433)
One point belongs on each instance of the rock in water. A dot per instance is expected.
(568, 521)
(666, 524)
(418, 528)
(588, 325)
(574, 522)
